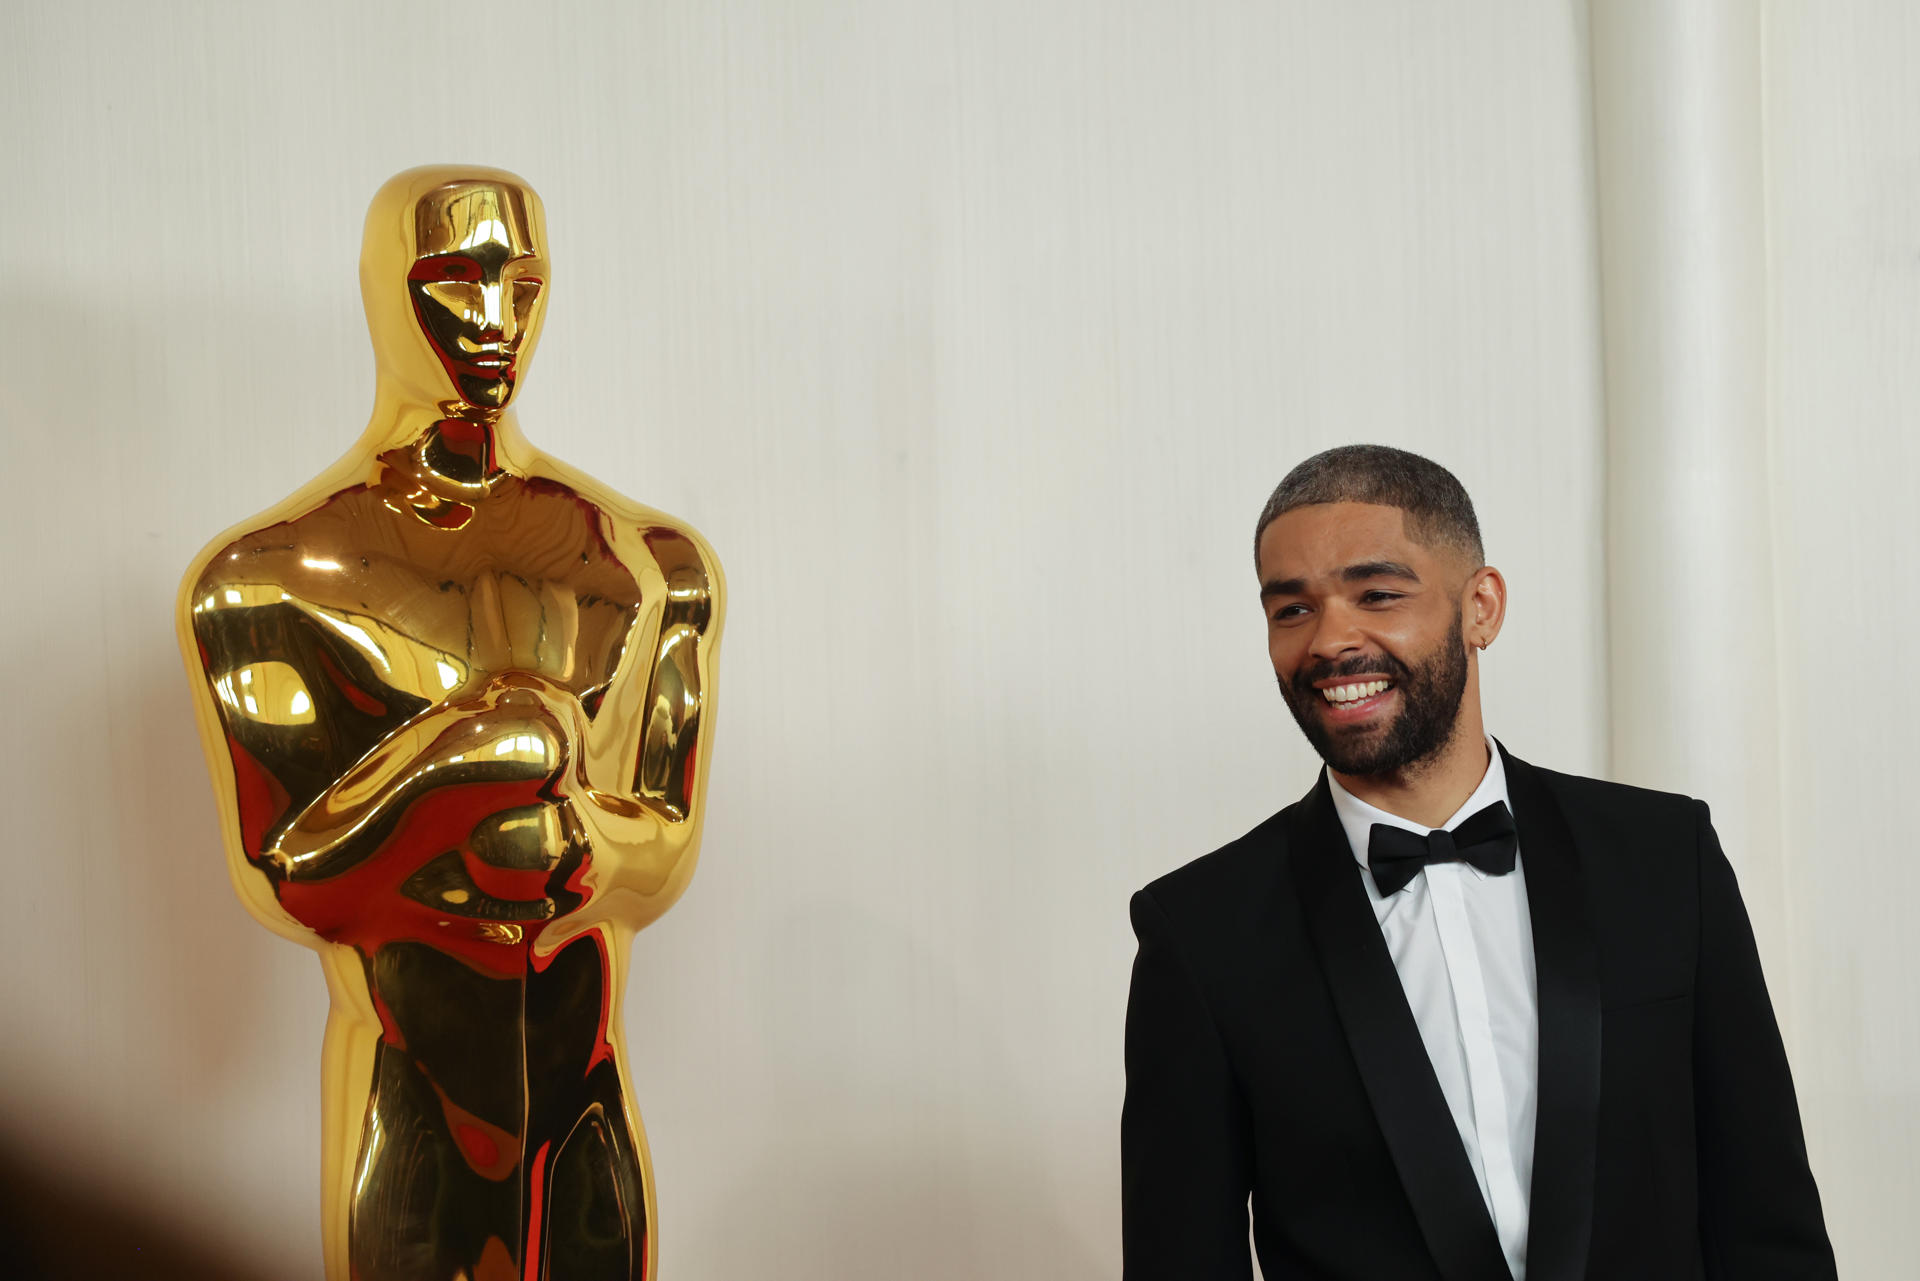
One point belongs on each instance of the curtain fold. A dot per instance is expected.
(1693, 680)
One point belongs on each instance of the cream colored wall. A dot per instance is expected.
(1843, 206)
(973, 337)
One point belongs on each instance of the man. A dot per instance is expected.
(1450, 1015)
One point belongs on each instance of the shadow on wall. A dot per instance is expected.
(55, 1230)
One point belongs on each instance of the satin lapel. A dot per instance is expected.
(1560, 1216)
(1386, 1045)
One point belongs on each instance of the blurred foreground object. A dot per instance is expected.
(455, 696)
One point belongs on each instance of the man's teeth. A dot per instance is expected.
(1354, 693)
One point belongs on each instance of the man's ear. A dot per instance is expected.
(1483, 606)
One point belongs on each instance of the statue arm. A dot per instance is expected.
(283, 698)
(649, 746)
(506, 734)
(669, 774)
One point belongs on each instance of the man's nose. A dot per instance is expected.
(1335, 633)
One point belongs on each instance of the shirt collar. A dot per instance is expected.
(1357, 817)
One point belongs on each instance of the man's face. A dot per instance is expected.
(476, 286)
(1364, 630)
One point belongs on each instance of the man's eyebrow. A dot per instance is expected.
(1359, 573)
(1377, 569)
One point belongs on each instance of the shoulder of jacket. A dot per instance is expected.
(1600, 796)
(1231, 873)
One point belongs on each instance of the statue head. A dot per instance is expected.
(453, 274)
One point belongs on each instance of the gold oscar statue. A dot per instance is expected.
(456, 698)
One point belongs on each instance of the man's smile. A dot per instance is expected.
(1347, 702)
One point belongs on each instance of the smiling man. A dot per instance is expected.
(1450, 1015)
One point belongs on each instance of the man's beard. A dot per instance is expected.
(1430, 694)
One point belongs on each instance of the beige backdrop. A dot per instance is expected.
(973, 337)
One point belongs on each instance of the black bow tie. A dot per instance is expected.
(1486, 840)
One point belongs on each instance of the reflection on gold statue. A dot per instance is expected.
(456, 699)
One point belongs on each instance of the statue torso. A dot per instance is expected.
(460, 653)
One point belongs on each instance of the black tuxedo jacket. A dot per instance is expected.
(1271, 1054)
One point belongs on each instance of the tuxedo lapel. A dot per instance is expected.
(1560, 1216)
(1399, 1079)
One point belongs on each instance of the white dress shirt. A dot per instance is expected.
(1463, 945)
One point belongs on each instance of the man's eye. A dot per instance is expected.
(1379, 598)
(1286, 612)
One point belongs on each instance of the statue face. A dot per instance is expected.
(478, 284)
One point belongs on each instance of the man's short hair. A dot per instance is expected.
(1436, 505)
